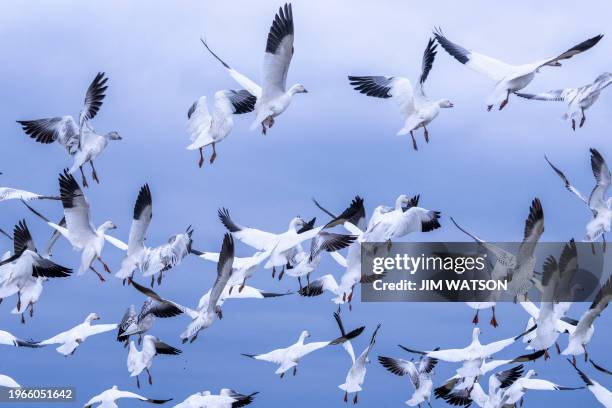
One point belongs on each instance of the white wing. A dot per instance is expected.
(279, 51)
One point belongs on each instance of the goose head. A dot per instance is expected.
(108, 225)
(297, 88)
(296, 223)
(305, 334)
(113, 136)
(402, 201)
(91, 317)
(445, 103)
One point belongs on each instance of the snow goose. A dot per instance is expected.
(273, 97)
(289, 357)
(304, 263)
(142, 360)
(601, 394)
(356, 374)
(243, 267)
(206, 129)
(577, 99)
(416, 108)
(282, 246)
(494, 398)
(9, 193)
(583, 334)
(8, 339)
(79, 230)
(508, 78)
(134, 323)
(407, 217)
(560, 325)
(456, 382)
(79, 139)
(24, 269)
(520, 266)
(150, 261)
(8, 382)
(70, 339)
(247, 292)
(108, 398)
(227, 398)
(473, 356)
(204, 316)
(420, 377)
(517, 390)
(599, 204)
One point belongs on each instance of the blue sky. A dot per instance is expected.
(332, 143)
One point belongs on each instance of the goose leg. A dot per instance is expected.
(583, 119)
(150, 378)
(355, 398)
(273, 272)
(573, 124)
(22, 319)
(137, 382)
(242, 286)
(201, 162)
(426, 134)
(263, 132)
(159, 278)
(345, 396)
(574, 360)
(281, 274)
(83, 179)
(489, 107)
(94, 175)
(194, 338)
(475, 319)
(300, 282)
(106, 268)
(586, 353)
(557, 347)
(505, 101)
(603, 237)
(282, 374)
(428, 403)
(493, 321)
(414, 144)
(152, 280)
(214, 155)
(546, 355)
(18, 300)
(97, 273)
(31, 309)
(294, 370)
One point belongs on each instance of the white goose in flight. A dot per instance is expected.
(585, 328)
(515, 392)
(598, 202)
(150, 261)
(79, 230)
(70, 339)
(108, 398)
(243, 267)
(206, 129)
(204, 316)
(142, 360)
(508, 78)
(304, 263)
(9, 193)
(356, 374)
(273, 97)
(26, 266)
(405, 218)
(577, 99)
(79, 139)
(226, 398)
(420, 376)
(134, 323)
(601, 394)
(282, 246)
(289, 357)
(416, 108)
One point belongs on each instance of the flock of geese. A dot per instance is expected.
(24, 271)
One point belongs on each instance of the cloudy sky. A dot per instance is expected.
(332, 143)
